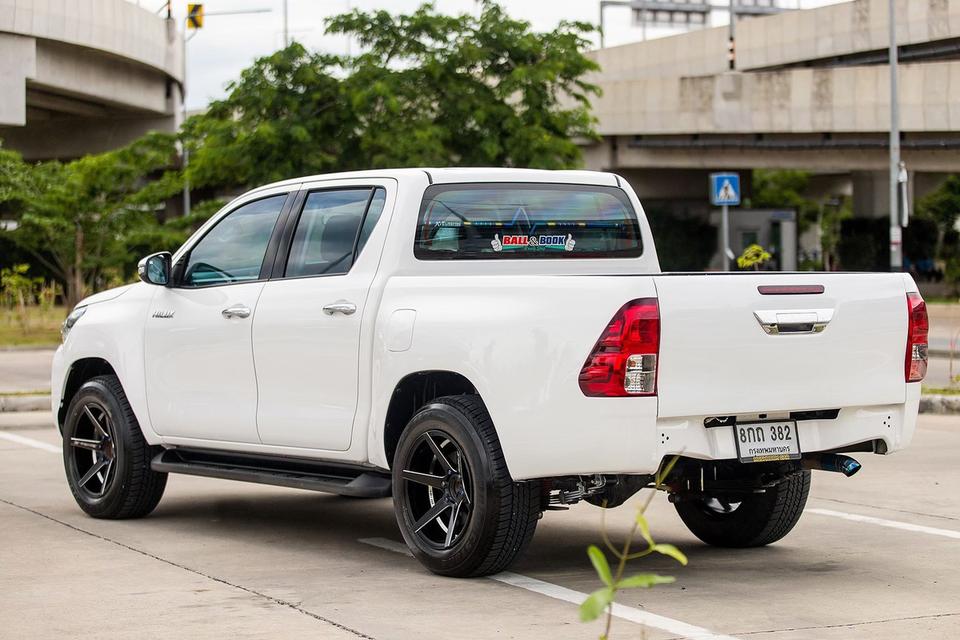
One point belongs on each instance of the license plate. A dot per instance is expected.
(767, 441)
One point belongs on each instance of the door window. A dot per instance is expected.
(332, 230)
(233, 250)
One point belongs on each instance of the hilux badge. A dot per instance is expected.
(163, 314)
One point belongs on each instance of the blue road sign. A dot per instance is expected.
(725, 189)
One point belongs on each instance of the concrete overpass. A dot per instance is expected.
(85, 76)
(810, 91)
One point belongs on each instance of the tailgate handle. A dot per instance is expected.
(793, 321)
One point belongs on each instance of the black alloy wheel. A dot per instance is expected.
(105, 456)
(438, 486)
(92, 450)
(460, 512)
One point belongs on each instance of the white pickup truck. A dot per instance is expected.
(484, 345)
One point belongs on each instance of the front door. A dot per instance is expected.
(198, 350)
(306, 333)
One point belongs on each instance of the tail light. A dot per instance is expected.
(915, 367)
(624, 360)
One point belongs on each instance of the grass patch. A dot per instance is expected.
(23, 394)
(942, 391)
(39, 327)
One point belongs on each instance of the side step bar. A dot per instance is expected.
(297, 473)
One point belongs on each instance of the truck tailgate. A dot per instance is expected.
(716, 358)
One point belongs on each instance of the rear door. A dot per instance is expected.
(726, 348)
(306, 334)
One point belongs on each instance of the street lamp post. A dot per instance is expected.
(183, 90)
(896, 230)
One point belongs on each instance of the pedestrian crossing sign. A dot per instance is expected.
(725, 189)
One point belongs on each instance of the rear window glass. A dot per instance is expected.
(523, 221)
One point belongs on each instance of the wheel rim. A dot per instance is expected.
(719, 506)
(438, 489)
(93, 451)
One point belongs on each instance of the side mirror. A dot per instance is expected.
(155, 269)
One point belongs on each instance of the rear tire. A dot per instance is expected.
(105, 457)
(757, 520)
(459, 511)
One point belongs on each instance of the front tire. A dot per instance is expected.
(758, 519)
(459, 511)
(105, 457)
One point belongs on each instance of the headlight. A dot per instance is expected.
(71, 320)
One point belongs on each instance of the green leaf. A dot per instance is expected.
(596, 602)
(644, 581)
(672, 551)
(600, 564)
(644, 528)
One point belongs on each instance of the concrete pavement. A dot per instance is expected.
(229, 559)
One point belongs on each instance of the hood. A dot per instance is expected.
(104, 296)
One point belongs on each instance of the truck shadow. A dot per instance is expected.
(311, 523)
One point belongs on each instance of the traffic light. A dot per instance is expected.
(195, 16)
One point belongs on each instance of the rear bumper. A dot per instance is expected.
(893, 424)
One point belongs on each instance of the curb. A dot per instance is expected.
(24, 403)
(28, 347)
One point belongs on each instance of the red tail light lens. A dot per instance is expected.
(624, 360)
(917, 328)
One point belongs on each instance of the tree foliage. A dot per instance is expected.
(76, 218)
(426, 90)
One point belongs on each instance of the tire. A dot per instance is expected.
(100, 429)
(760, 519)
(482, 519)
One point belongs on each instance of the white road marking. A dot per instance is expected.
(30, 442)
(893, 524)
(674, 627)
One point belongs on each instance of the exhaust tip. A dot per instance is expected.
(832, 462)
(848, 466)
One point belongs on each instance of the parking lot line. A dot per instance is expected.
(652, 620)
(893, 524)
(30, 442)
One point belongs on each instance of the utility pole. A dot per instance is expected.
(183, 91)
(896, 231)
(732, 36)
(286, 29)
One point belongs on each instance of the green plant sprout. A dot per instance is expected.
(753, 256)
(603, 599)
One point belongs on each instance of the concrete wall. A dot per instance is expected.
(788, 38)
(842, 29)
(79, 76)
(838, 99)
(117, 27)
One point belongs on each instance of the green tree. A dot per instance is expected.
(468, 90)
(287, 115)
(75, 218)
(942, 208)
(427, 90)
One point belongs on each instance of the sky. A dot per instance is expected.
(227, 44)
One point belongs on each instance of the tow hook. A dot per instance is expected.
(831, 462)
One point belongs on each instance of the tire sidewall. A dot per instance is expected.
(96, 390)
(473, 545)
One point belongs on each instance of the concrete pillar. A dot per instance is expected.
(18, 61)
(871, 198)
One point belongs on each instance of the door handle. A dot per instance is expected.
(793, 321)
(236, 311)
(340, 306)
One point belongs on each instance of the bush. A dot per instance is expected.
(683, 243)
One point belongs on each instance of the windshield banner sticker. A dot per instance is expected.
(547, 242)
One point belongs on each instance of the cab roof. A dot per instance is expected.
(464, 174)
